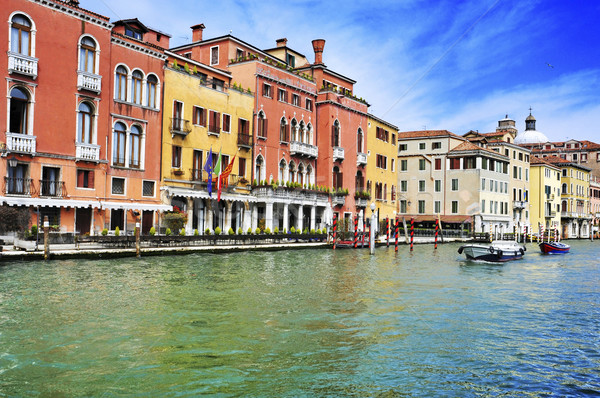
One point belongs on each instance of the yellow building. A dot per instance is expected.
(574, 202)
(204, 112)
(380, 155)
(545, 193)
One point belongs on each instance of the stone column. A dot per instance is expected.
(300, 216)
(227, 221)
(190, 217)
(313, 213)
(254, 216)
(269, 216)
(286, 216)
(209, 215)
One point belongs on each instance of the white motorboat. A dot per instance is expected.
(496, 251)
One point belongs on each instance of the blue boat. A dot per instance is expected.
(554, 247)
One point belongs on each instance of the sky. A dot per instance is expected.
(423, 64)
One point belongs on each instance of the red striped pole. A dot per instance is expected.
(437, 226)
(387, 231)
(363, 232)
(397, 226)
(334, 229)
(412, 232)
(355, 230)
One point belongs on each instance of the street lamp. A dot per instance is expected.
(372, 232)
(12, 161)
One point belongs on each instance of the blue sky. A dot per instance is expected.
(422, 64)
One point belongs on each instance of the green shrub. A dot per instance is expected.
(268, 231)
(152, 231)
(196, 233)
(207, 231)
(249, 232)
(117, 231)
(168, 231)
(231, 232)
(305, 232)
(292, 230)
(104, 232)
(284, 231)
(276, 230)
(312, 231)
(240, 231)
(218, 231)
(34, 229)
(257, 231)
(182, 232)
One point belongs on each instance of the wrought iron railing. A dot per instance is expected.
(52, 188)
(180, 126)
(18, 186)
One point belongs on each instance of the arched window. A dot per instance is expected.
(360, 181)
(564, 189)
(121, 83)
(335, 133)
(283, 130)
(134, 146)
(309, 175)
(384, 191)
(294, 130)
(20, 35)
(301, 131)
(87, 55)
(136, 87)
(85, 123)
(282, 167)
(119, 134)
(309, 134)
(151, 87)
(292, 172)
(393, 192)
(262, 125)
(259, 169)
(301, 174)
(19, 109)
(338, 178)
(359, 141)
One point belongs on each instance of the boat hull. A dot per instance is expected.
(494, 252)
(554, 247)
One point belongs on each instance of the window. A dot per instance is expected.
(338, 177)
(239, 54)
(151, 87)
(133, 33)
(454, 206)
(393, 165)
(134, 146)
(176, 157)
(455, 184)
(393, 139)
(226, 123)
(483, 184)
(438, 164)
(244, 131)
(403, 206)
(87, 55)
(214, 120)
(335, 133)
(470, 163)
(281, 95)
(148, 188)
(291, 60)
(121, 83)
(85, 123)
(119, 133)
(20, 35)
(437, 185)
(214, 55)
(403, 165)
(455, 164)
(217, 84)
(422, 146)
(85, 178)
(421, 185)
(381, 162)
(197, 165)
(402, 147)
(309, 105)
(19, 107)
(437, 206)
(436, 145)
(283, 130)
(267, 90)
(421, 164)
(118, 186)
(295, 99)
(262, 125)
(241, 167)
(403, 186)
(483, 206)
(421, 207)
(199, 116)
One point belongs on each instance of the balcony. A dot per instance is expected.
(302, 149)
(361, 202)
(52, 188)
(338, 200)
(338, 153)
(23, 64)
(361, 159)
(196, 175)
(88, 81)
(550, 214)
(180, 127)
(289, 194)
(571, 214)
(21, 143)
(18, 186)
(550, 196)
(519, 205)
(244, 141)
(87, 152)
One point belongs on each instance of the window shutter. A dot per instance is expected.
(333, 135)
(80, 178)
(218, 122)
(91, 179)
(240, 127)
(203, 117)
(265, 123)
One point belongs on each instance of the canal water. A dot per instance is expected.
(305, 323)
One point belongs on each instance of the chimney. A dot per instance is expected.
(318, 45)
(197, 32)
(74, 3)
(281, 42)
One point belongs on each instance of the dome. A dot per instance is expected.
(529, 118)
(531, 137)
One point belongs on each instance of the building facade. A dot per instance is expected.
(545, 195)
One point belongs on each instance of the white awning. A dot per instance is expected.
(135, 206)
(191, 193)
(46, 202)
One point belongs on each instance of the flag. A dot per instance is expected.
(217, 172)
(209, 169)
(224, 176)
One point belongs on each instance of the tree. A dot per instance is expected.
(14, 218)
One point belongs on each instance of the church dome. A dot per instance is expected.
(530, 135)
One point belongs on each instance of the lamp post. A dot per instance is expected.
(372, 229)
(12, 161)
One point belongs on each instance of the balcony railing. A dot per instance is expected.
(87, 152)
(23, 64)
(517, 204)
(213, 129)
(361, 202)
(338, 200)
(361, 158)
(244, 140)
(52, 188)
(302, 149)
(551, 214)
(22, 143)
(293, 194)
(180, 127)
(550, 196)
(575, 214)
(196, 175)
(18, 186)
(338, 153)
(88, 81)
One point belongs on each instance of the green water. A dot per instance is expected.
(302, 324)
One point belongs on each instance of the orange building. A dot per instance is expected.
(59, 129)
